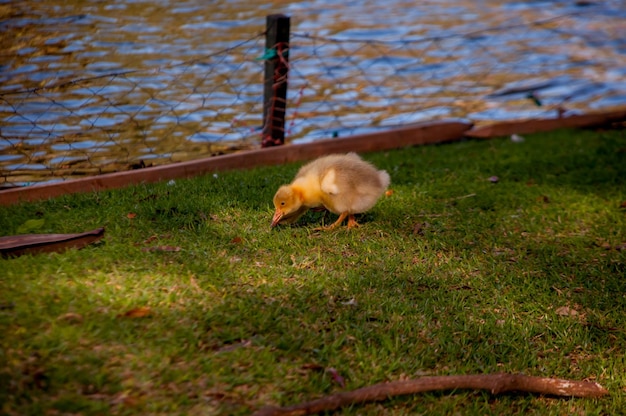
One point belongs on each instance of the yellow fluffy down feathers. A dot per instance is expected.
(344, 184)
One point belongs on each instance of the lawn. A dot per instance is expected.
(488, 256)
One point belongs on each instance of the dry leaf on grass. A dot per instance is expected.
(140, 312)
(72, 318)
(566, 311)
(125, 399)
(337, 378)
(244, 343)
(150, 239)
(334, 374)
(418, 228)
(162, 248)
(312, 366)
(608, 246)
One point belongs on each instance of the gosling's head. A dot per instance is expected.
(286, 202)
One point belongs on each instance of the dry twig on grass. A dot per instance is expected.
(495, 383)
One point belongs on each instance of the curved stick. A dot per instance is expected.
(495, 383)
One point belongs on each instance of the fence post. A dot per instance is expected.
(276, 71)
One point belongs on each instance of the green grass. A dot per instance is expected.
(451, 274)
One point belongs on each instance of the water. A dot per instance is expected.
(88, 87)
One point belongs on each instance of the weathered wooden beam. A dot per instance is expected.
(417, 134)
(508, 128)
(18, 245)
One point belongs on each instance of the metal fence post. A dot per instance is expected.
(276, 71)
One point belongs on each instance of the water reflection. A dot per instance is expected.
(90, 87)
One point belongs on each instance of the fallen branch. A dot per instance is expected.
(495, 383)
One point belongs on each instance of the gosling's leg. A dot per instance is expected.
(336, 223)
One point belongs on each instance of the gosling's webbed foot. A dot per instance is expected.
(352, 222)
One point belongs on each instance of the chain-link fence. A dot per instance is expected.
(131, 119)
(507, 72)
(73, 126)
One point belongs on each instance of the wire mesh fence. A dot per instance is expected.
(131, 119)
(74, 126)
(505, 72)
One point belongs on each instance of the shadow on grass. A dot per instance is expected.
(451, 274)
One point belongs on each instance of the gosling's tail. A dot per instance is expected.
(385, 179)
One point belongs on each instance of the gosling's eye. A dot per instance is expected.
(282, 203)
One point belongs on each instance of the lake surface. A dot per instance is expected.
(88, 87)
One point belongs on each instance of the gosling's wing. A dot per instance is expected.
(329, 182)
(353, 186)
(357, 176)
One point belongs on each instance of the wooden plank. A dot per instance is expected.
(417, 134)
(540, 125)
(18, 245)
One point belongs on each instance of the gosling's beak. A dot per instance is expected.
(278, 215)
